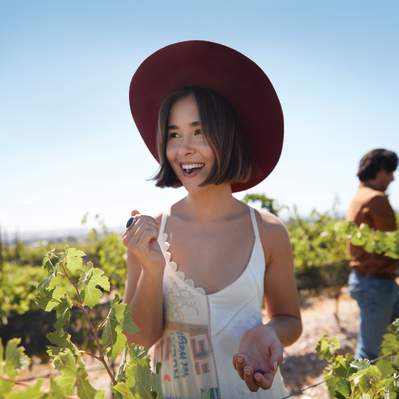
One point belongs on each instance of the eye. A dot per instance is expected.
(172, 135)
(198, 131)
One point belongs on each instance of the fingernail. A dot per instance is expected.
(240, 359)
(275, 366)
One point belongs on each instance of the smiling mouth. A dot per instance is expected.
(191, 169)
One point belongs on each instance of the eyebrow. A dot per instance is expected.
(192, 124)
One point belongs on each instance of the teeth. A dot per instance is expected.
(189, 166)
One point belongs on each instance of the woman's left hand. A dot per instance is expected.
(259, 354)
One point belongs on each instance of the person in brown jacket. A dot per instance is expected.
(372, 278)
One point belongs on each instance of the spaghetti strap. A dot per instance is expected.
(163, 224)
(254, 223)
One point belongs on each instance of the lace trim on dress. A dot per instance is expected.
(173, 265)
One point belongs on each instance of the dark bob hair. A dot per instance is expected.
(375, 160)
(221, 127)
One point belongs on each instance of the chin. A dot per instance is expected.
(194, 188)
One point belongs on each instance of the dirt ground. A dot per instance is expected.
(301, 366)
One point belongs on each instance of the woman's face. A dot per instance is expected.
(187, 148)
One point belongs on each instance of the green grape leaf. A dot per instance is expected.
(60, 291)
(51, 291)
(122, 388)
(366, 378)
(108, 336)
(1, 357)
(390, 341)
(57, 391)
(55, 282)
(140, 378)
(15, 358)
(63, 312)
(65, 362)
(86, 391)
(47, 260)
(74, 261)
(128, 324)
(385, 366)
(94, 277)
(360, 364)
(42, 297)
(5, 387)
(358, 239)
(327, 346)
(60, 339)
(131, 374)
(342, 386)
(112, 335)
(341, 365)
(52, 304)
(119, 343)
(32, 392)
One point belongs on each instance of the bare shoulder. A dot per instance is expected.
(273, 233)
(270, 226)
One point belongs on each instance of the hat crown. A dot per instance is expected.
(224, 70)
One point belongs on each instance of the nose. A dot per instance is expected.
(186, 146)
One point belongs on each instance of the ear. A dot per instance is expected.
(380, 174)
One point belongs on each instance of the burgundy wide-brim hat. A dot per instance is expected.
(228, 72)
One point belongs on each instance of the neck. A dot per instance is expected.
(211, 204)
(372, 184)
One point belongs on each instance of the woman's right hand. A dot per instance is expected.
(140, 238)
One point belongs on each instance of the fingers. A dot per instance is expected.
(276, 355)
(134, 212)
(139, 218)
(239, 361)
(249, 379)
(252, 377)
(141, 233)
(265, 380)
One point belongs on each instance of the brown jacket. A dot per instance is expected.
(373, 208)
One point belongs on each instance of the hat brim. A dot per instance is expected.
(228, 72)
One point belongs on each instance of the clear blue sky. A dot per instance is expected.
(68, 142)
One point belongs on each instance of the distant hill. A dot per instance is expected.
(32, 237)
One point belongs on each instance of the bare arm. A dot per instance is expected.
(281, 294)
(143, 292)
(261, 347)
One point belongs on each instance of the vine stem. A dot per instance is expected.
(16, 382)
(47, 375)
(91, 355)
(81, 306)
(324, 380)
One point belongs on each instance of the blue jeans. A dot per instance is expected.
(378, 301)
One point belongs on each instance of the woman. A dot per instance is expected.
(199, 273)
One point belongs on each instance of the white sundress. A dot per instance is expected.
(202, 332)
